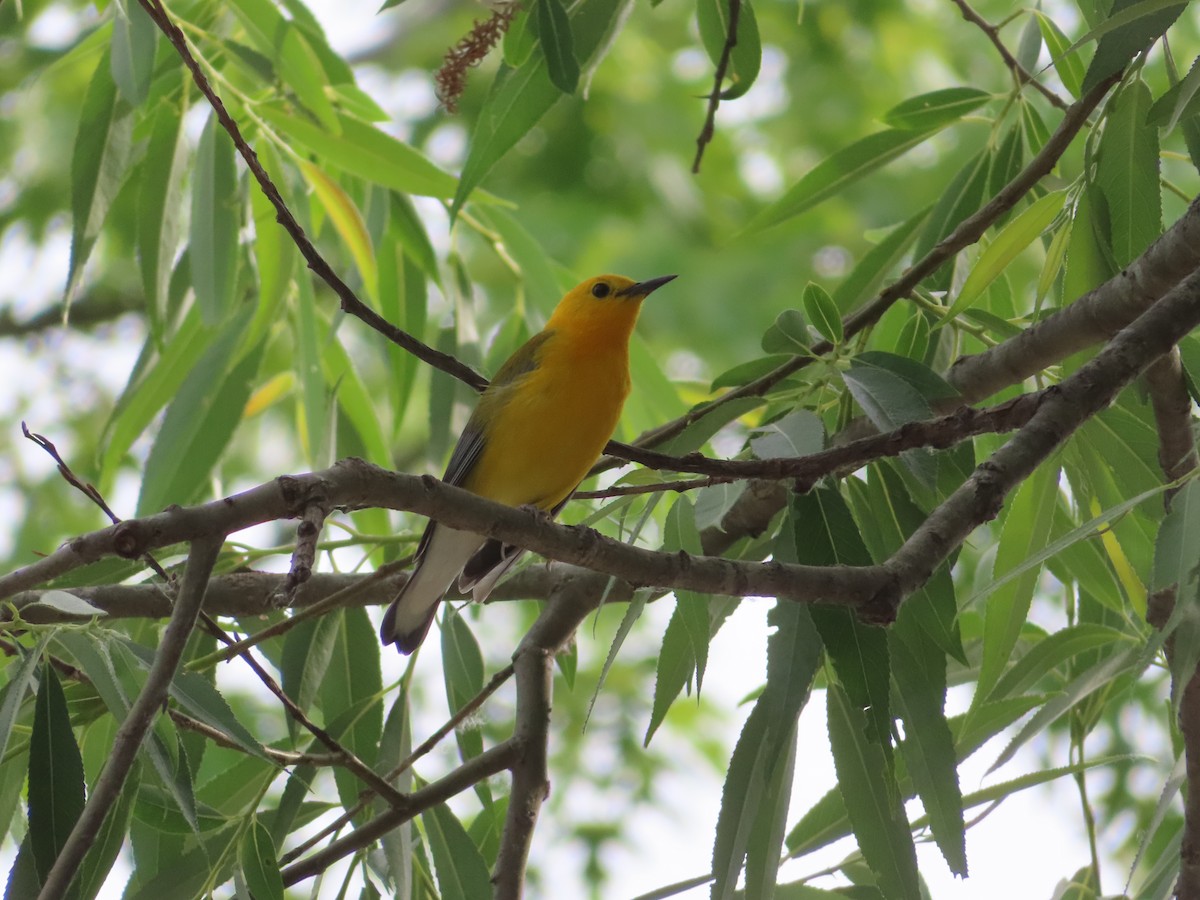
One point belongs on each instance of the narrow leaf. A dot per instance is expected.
(260, 865)
(554, 32)
(214, 228)
(935, 109)
(56, 788)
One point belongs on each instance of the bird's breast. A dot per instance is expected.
(553, 426)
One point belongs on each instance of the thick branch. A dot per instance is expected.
(534, 665)
(129, 737)
(1067, 407)
(355, 484)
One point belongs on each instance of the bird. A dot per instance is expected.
(536, 431)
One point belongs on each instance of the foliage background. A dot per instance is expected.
(599, 184)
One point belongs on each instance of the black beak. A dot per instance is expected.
(642, 288)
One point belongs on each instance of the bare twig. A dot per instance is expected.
(1020, 74)
(129, 737)
(349, 300)
(281, 757)
(714, 99)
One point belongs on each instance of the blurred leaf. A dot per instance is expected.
(214, 228)
(134, 41)
(960, 199)
(20, 672)
(1127, 173)
(554, 33)
(349, 224)
(1182, 101)
(55, 775)
(520, 97)
(160, 203)
(713, 18)
(365, 152)
(99, 164)
(799, 433)
(875, 264)
(788, 334)
(1026, 528)
(836, 173)
(935, 109)
(199, 422)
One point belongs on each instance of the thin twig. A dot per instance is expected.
(714, 99)
(478, 768)
(349, 300)
(201, 558)
(429, 744)
(1020, 74)
(280, 757)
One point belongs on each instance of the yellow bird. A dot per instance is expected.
(538, 428)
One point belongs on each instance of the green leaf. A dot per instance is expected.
(936, 109)
(1015, 237)
(872, 798)
(160, 204)
(1025, 530)
(99, 163)
(20, 671)
(961, 198)
(713, 20)
(876, 263)
(134, 41)
(214, 229)
(260, 865)
(1131, 27)
(1067, 62)
(1175, 555)
(304, 74)
(349, 224)
(520, 97)
(1181, 101)
(788, 334)
(554, 32)
(353, 686)
(200, 698)
(109, 840)
(199, 422)
(741, 799)
(461, 872)
(1127, 174)
(366, 152)
(55, 775)
(680, 534)
(890, 401)
(823, 313)
(836, 173)
(799, 433)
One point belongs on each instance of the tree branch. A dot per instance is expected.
(1067, 406)
(968, 232)
(201, 558)
(1094, 317)
(349, 300)
(714, 99)
(1021, 75)
(491, 762)
(534, 665)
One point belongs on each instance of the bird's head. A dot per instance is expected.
(604, 304)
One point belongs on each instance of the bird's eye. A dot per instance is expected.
(600, 290)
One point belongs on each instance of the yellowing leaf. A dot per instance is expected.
(349, 224)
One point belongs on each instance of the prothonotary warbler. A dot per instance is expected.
(536, 431)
